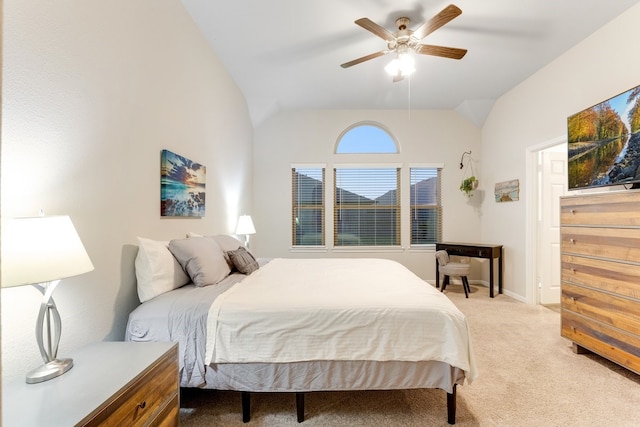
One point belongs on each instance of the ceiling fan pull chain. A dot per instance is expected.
(409, 97)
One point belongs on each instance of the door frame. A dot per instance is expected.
(532, 186)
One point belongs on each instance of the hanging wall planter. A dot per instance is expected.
(468, 185)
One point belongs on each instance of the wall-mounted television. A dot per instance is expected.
(604, 143)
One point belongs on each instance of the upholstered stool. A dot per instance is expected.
(457, 269)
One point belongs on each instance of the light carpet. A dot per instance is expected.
(528, 376)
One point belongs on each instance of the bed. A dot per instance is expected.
(298, 325)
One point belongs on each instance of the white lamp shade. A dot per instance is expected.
(245, 225)
(41, 249)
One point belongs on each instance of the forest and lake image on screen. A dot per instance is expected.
(604, 143)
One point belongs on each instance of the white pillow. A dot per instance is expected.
(227, 243)
(157, 270)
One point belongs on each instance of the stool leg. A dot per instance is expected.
(465, 285)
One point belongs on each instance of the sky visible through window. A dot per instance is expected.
(366, 139)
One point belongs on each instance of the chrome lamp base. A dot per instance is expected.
(49, 370)
(49, 326)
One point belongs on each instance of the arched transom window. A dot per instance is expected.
(366, 138)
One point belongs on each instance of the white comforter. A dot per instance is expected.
(295, 310)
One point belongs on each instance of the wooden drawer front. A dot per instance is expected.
(614, 243)
(615, 277)
(622, 313)
(146, 397)
(621, 347)
(170, 415)
(618, 209)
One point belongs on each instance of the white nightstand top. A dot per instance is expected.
(99, 371)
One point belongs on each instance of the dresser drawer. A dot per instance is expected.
(623, 313)
(170, 415)
(616, 345)
(146, 397)
(615, 277)
(613, 243)
(620, 210)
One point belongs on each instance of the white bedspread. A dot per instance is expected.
(336, 309)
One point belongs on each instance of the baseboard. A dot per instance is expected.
(484, 283)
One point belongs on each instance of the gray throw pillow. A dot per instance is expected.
(201, 258)
(243, 260)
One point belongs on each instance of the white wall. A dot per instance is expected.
(310, 137)
(601, 66)
(93, 91)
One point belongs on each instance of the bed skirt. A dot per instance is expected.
(332, 376)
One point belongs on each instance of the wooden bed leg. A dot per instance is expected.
(246, 406)
(300, 406)
(451, 406)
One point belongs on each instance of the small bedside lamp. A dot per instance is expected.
(41, 251)
(245, 227)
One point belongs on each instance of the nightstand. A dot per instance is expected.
(114, 383)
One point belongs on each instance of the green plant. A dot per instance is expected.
(468, 185)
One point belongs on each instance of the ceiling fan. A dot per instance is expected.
(405, 40)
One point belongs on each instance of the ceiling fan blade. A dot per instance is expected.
(446, 52)
(364, 58)
(447, 14)
(376, 29)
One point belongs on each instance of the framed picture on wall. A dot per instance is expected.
(182, 186)
(507, 191)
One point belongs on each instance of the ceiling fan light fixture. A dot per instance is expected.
(403, 65)
(404, 40)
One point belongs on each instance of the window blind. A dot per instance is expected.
(366, 206)
(425, 206)
(307, 206)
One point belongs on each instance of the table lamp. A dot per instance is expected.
(41, 251)
(245, 227)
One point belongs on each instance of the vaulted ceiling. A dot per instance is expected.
(286, 54)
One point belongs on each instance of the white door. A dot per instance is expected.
(553, 185)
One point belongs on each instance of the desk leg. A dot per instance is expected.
(437, 275)
(500, 272)
(491, 278)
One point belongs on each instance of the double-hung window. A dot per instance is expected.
(366, 208)
(308, 206)
(425, 206)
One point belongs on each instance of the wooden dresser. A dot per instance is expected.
(601, 275)
(111, 383)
